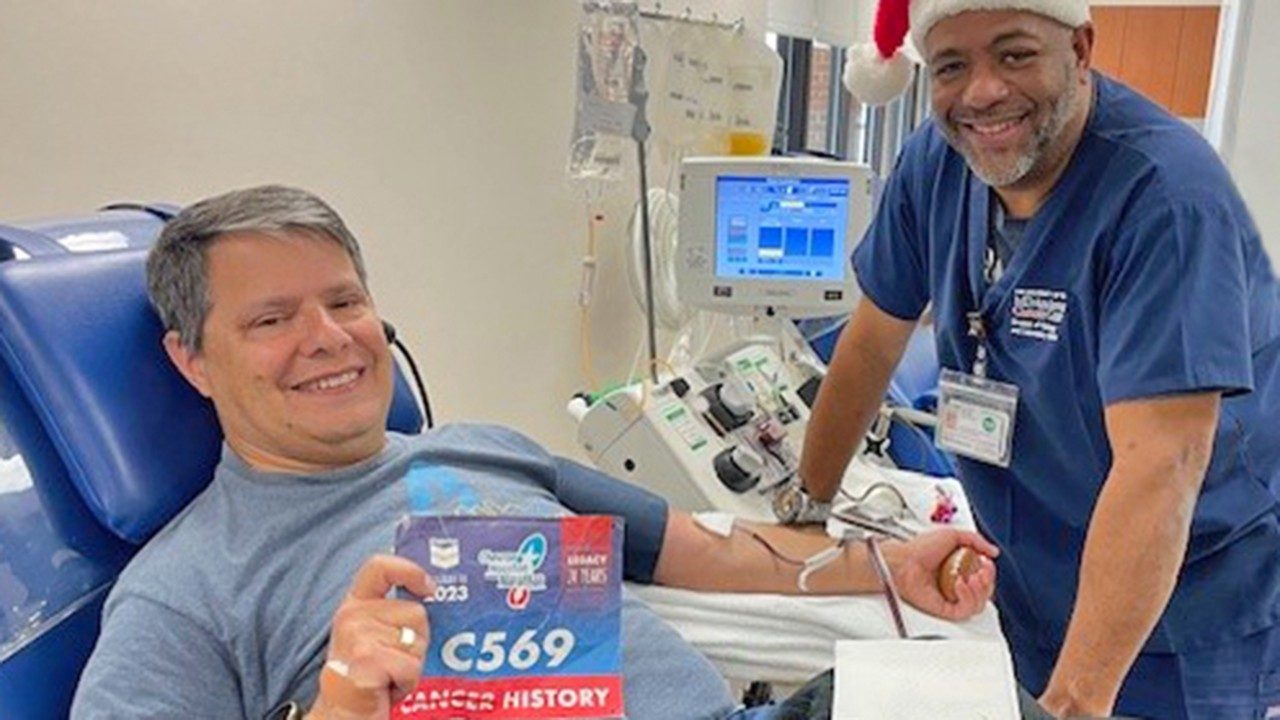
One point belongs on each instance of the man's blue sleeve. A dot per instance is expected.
(1174, 306)
(590, 492)
(890, 262)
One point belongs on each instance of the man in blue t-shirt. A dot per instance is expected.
(270, 590)
(1107, 325)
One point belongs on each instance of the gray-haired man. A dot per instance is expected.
(270, 587)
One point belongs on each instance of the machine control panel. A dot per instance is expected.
(730, 404)
(725, 434)
(738, 468)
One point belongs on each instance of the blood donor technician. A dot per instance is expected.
(1107, 324)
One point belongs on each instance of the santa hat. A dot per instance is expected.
(877, 72)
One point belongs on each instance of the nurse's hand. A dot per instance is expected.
(376, 644)
(915, 564)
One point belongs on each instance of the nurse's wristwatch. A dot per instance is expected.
(792, 505)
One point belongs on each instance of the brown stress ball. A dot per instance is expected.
(962, 562)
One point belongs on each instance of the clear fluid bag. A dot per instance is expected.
(609, 66)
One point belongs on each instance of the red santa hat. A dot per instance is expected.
(877, 72)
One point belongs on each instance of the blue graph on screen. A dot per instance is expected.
(781, 228)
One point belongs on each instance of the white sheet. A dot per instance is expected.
(904, 680)
(787, 639)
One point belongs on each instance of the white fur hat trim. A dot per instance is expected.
(872, 79)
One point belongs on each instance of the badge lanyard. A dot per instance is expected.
(982, 272)
(977, 325)
(976, 414)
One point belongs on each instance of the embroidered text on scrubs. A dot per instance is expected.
(1037, 313)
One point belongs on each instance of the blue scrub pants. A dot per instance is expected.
(1239, 680)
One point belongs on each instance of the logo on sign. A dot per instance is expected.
(516, 571)
(533, 551)
(518, 598)
(446, 553)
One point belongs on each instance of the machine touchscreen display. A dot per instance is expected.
(781, 228)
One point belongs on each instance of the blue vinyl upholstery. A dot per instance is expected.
(101, 442)
(92, 418)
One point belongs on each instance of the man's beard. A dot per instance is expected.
(1003, 174)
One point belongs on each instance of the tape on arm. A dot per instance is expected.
(716, 523)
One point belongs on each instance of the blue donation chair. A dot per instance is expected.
(101, 440)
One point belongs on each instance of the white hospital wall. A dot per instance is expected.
(1252, 138)
(438, 129)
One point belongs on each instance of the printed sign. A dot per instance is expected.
(525, 620)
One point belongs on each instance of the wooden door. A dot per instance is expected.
(1164, 52)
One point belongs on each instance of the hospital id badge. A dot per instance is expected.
(976, 417)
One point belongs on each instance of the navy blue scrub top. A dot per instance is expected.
(1141, 275)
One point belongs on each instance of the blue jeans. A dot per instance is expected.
(810, 702)
(813, 702)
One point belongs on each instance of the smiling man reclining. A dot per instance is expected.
(245, 601)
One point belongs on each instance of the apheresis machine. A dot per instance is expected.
(765, 238)
(768, 240)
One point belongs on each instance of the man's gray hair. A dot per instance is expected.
(177, 266)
